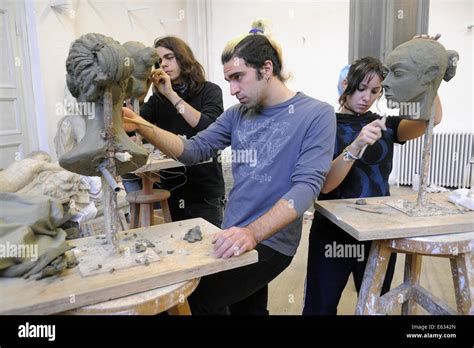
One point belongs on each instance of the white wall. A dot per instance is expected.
(313, 35)
(450, 18)
(57, 29)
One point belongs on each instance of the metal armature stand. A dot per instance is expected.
(424, 206)
(425, 162)
(109, 185)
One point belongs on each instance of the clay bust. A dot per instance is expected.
(416, 69)
(96, 62)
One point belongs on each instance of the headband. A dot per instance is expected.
(255, 31)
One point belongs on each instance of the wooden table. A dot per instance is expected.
(385, 222)
(394, 231)
(178, 261)
(171, 298)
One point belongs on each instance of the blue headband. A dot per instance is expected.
(255, 31)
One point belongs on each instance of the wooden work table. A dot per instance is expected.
(172, 260)
(150, 171)
(449, 236)
(156, 164)
(376, 220)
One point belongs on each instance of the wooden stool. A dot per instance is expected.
(458, 247)
(141, 207)
(171, 298)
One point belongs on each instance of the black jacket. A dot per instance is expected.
(203, 180)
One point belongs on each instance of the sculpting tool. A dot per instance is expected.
(384, 118)
(131, 120)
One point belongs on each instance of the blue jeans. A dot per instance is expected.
(131, 185)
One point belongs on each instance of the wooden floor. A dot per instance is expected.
(286, 292)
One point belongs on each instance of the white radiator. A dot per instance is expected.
(451, 160)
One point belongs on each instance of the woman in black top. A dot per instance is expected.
(184, 103)
(354, 173)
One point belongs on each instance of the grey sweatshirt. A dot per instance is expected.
(282, 153)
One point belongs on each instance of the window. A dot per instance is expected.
(378, 26)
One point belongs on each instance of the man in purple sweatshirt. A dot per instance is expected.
(282, 145)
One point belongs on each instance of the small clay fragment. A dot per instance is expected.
(193, 235)
(361, 201)
(140, 247)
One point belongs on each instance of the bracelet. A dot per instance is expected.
(347, 156)
(178, 102)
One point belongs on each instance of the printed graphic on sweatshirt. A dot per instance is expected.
(266, 139)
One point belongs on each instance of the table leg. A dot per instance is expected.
(146, 210)
(463, 278)
(373, 278)
(411, 278)
(180, 309)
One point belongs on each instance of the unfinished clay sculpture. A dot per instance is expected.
(416, 69)
(97, 63)
(21, 173)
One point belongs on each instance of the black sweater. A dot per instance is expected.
(203, 180)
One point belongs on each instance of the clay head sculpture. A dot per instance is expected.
(144, 58)
(416, 69)
(95, 63)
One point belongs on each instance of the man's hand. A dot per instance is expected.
(129, 116)
(233, 242)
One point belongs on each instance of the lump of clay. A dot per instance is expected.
(416, 69)
(193, 235)
(95, 63)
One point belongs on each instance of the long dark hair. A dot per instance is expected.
(192, 71)
(359, 69)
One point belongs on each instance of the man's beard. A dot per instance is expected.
(256, 109)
